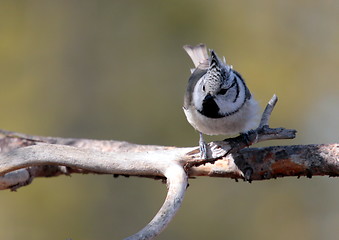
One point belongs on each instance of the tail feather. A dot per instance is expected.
(198, 54)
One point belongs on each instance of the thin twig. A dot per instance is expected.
(268, 111)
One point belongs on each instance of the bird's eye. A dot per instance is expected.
(203, 88)
(222, 91)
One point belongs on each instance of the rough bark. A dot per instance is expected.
(24, 157)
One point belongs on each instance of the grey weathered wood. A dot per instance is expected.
(24, 157)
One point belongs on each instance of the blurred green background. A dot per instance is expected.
(117, 70)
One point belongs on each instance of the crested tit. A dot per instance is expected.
(217, 100)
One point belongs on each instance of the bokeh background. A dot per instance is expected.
(117, 70)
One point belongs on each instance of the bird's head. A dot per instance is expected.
(217, 78)
(217, 93)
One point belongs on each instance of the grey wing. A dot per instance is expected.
(198, 54)
(192, 81)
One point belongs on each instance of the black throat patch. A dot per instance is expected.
(210, 108)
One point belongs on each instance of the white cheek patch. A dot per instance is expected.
(233, 100)
(198, 94)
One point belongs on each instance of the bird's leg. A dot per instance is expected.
(203, 147)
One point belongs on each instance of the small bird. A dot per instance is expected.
(217, 100)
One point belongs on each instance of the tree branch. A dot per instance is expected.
(273, 162)
(24, 157)
(177, 184)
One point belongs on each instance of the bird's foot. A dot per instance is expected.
(203, 150)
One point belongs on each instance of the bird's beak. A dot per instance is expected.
(208, 97)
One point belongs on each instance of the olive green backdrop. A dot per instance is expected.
(117, 70)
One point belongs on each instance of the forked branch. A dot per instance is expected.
(24, 157)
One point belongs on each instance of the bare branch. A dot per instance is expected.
(134, 163)
(15, 179)
(272, 162)
(177, 184)
(156, 163)
(268, 111)
(24, 157)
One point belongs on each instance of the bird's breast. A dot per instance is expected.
(244, 119)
